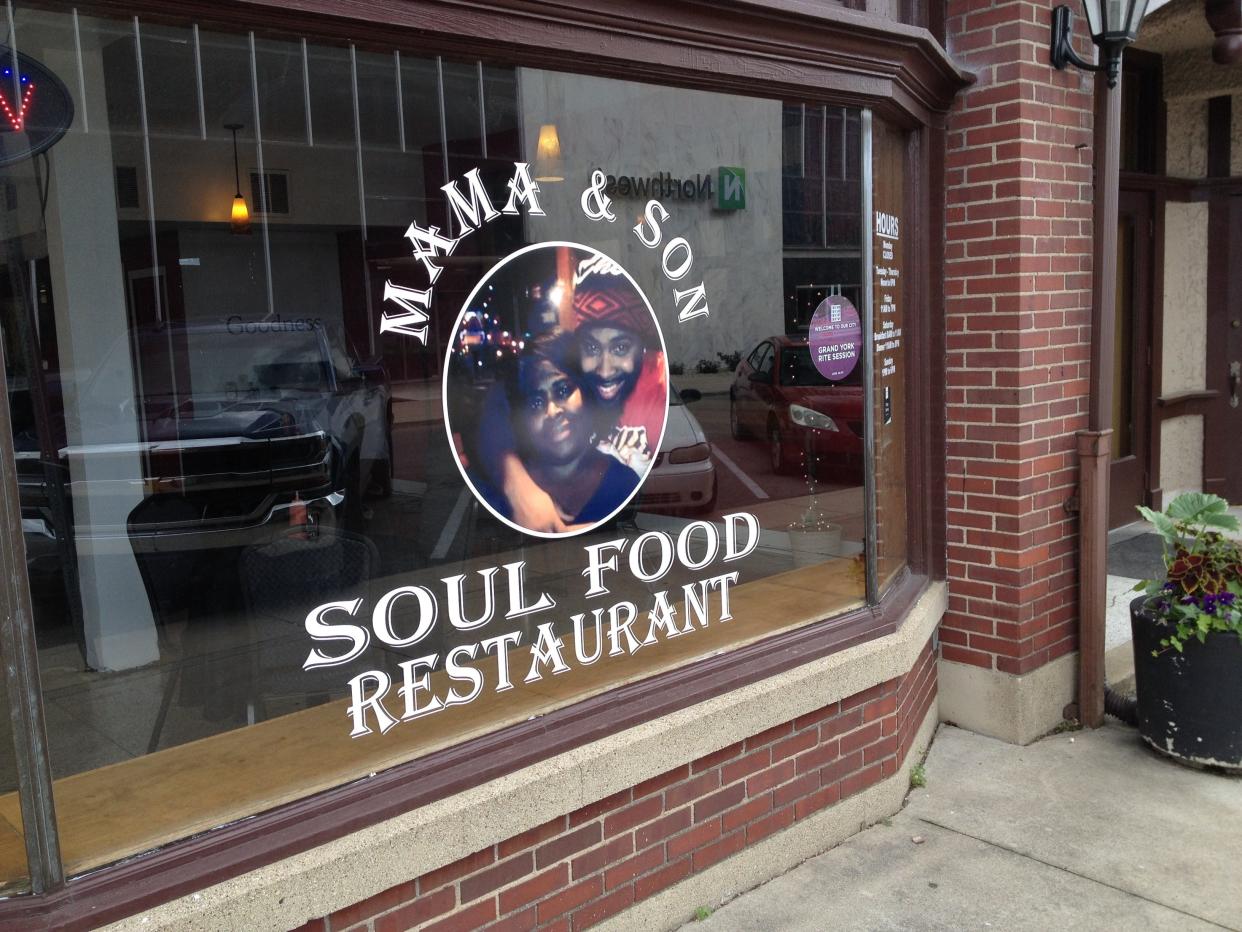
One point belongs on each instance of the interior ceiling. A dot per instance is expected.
(1176, 26)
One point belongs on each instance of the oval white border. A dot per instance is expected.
(444, 387)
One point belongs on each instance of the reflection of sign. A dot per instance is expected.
(835, 337)
(661, 184)
(731, 191)
(35, 107)
(728, 192)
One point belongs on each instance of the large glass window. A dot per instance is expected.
(890, 372)
(381, 400)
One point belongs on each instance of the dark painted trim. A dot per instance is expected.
(923, 289)
(931, 245)
(1156, 343)
(1148, 69)
(1140, 206)
(1222, 290)
(1172, 189)
(781, 48)
(1224, 232)
(1178, 399)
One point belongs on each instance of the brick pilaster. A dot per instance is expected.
(1018, 298)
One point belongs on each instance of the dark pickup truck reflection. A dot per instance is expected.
(222, 438)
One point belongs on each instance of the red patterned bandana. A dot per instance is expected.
(604, 295)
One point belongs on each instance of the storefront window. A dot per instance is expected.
(385, 400)
(890, 371)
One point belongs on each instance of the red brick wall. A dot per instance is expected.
(1017, 303)
(587, 865)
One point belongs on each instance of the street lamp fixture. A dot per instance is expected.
(1114, 24)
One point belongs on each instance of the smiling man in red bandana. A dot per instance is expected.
(622, 363)
(625, 382)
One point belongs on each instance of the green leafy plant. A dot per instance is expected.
(702, 913)
(1202, 588)
(918, 777)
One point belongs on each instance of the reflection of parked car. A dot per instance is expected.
(683, 477)
(778, 395)
(235, 430)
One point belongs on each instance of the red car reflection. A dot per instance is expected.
(780, 397)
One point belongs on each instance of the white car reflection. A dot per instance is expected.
(683, 478)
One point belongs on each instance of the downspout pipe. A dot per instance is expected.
(1095, 443)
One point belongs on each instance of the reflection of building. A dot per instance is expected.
(190, 744)
(593, 131)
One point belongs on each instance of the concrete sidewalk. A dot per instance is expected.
(1086, 830)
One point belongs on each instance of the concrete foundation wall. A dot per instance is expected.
(1017, 709)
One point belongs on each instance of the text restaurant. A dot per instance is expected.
(437, 434)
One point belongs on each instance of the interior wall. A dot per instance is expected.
(1186, 146)
(1185, 298)
(1184, 301)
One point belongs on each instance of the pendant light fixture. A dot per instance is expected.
(239, 217)
(548, 165)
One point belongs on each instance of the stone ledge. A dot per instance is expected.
(1017, 709)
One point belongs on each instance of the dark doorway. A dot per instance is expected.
(1131, 371)
(1222, 449)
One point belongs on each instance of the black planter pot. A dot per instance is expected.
(1189, 704)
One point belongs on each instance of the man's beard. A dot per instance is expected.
(625, 384)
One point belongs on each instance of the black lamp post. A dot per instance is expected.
(1114, 24)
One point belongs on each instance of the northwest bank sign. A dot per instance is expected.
(727, 189)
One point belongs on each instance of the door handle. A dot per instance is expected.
(1235, 376)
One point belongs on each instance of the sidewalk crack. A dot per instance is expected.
(1074, 873)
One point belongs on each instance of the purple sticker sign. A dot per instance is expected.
(835, 338)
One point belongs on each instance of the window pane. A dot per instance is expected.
(377, 460)
(891, 371)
